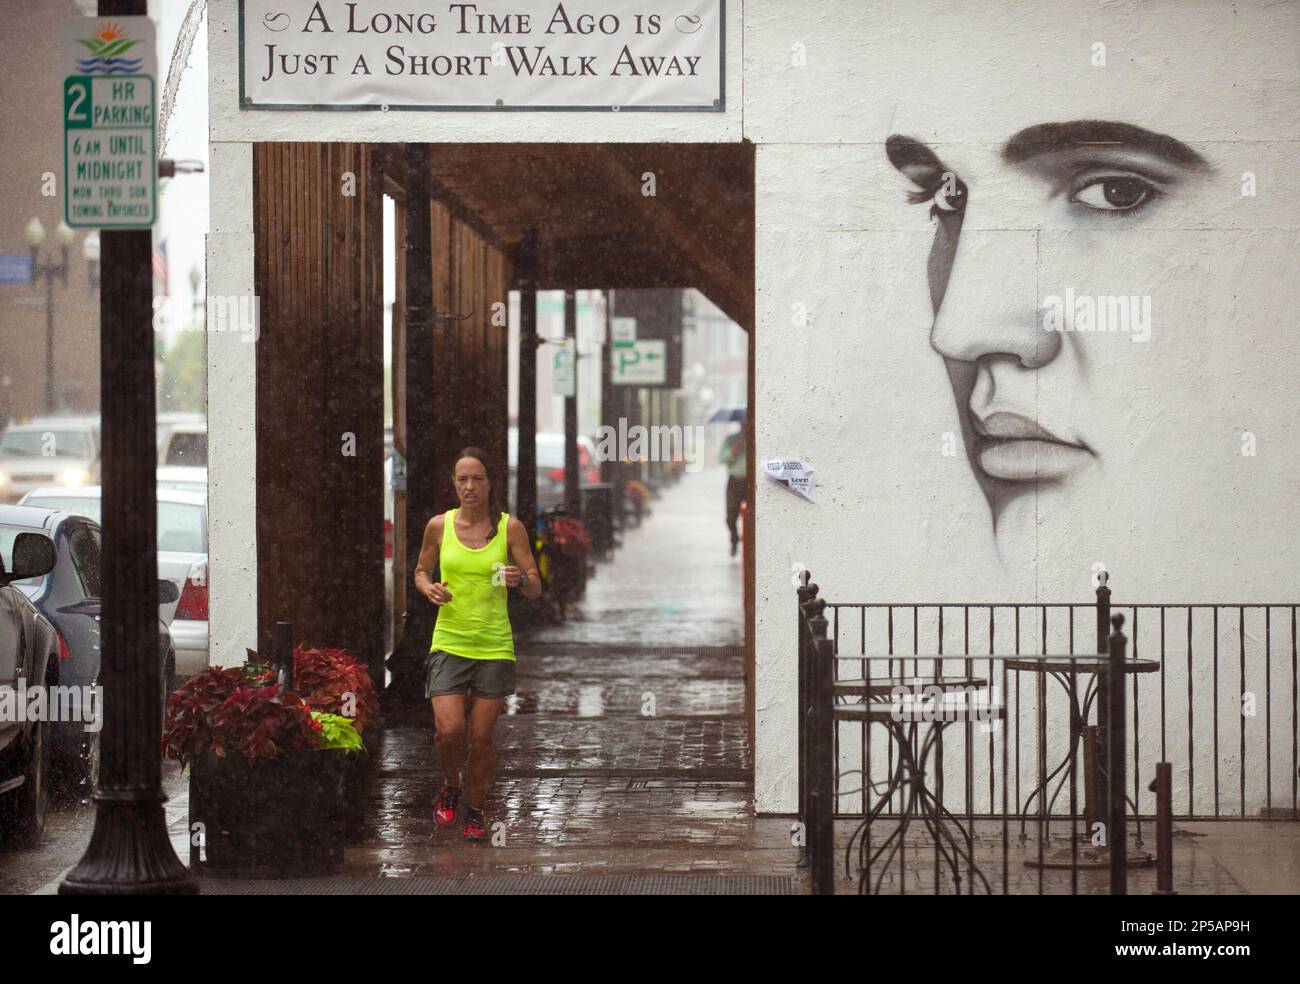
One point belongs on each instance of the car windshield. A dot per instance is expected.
(8, 534)
(180, 527)
(46, 444)
(187, 448)
(180, 524)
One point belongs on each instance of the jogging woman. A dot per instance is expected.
(480, 552)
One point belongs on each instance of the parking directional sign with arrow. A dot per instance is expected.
(641, 362)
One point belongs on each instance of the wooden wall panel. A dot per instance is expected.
(470, 363)
(318, 271)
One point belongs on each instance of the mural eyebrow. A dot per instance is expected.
(1052, 138)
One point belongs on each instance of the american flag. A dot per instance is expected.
(160, 277)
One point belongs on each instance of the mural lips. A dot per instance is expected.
(1017, 449)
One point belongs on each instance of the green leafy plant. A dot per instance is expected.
(338, 732)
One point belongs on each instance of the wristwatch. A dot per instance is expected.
(523, 578)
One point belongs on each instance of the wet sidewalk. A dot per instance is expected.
(672, 582)
(626, 748)
(624, 757)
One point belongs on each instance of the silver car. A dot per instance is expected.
(182, 478)
(29, 650)
(50, 451)
(182, 559)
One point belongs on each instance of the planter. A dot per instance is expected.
(570, 574)
(274, 819)
(356, 770)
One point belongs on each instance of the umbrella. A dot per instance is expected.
(727, 415)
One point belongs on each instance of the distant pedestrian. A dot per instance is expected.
(735, 457)
(481, 553)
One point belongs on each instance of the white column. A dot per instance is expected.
(232, 424)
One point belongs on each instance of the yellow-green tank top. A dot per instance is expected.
(475, 624)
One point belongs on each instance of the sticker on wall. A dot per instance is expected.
(796, 475)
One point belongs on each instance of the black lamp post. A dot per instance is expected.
(51, 271)
(129, 851)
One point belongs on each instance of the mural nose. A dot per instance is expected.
(989, 304)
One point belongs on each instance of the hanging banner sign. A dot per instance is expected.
(505, 55)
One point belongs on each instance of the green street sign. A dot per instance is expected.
(110, 124)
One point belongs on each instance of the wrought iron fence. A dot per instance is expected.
(1210, 689)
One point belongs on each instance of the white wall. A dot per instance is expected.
(1167, 501)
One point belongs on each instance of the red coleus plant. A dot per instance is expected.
(330, 680)
(262, 722)
(569, 536)
(231, 710)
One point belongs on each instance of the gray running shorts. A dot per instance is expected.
(447, 673)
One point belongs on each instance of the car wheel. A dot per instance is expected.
(30, 800)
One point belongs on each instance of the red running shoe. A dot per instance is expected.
(475, 825)
(444, 812)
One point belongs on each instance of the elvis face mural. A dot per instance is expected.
(1024, 375)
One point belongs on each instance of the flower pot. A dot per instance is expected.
(277, 818)
(356, 771)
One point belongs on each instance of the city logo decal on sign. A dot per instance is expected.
(108, 46)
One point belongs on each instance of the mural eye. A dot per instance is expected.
(1115, 194)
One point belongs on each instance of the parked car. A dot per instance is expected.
(169, 419)
(185, 444)
(183, 478)
(182, 559)
(68, 596)
(29, 652)
(60, 451)
(550, 466)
